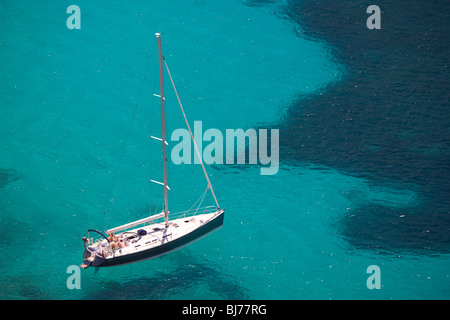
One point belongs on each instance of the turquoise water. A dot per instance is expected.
(77, 109)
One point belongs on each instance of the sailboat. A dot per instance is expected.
(157, 234)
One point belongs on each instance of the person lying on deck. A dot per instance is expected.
(116, 242)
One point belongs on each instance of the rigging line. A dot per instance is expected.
(157, 207)
(202, 196)
(192, 136)
(115, 186)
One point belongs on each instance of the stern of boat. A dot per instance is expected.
(95, 251)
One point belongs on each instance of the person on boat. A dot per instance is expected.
(112, 237)
(113, 241)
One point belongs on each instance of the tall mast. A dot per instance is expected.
(163, 127)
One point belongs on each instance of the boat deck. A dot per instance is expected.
(156, 234)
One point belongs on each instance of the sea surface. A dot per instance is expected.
(364, 149)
